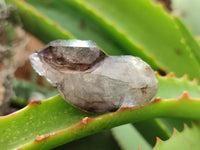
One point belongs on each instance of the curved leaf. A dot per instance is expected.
(129, 138)
(158, 108)
(188, 139)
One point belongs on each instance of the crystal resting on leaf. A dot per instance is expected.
(92, 81)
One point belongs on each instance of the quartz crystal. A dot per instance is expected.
(92, 81)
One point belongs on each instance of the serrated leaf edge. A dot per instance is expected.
(85, 123)
(175, 132)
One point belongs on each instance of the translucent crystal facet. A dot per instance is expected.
(107, 85)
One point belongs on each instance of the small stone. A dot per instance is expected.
(105, 85)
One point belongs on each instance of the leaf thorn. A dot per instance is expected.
(158, 140)
(157, 99)
(34, 102)
(41, 137)
(185, 95)
(195, 81)
(185, 76)
(171, 74)
(174, 131)
(85, 120)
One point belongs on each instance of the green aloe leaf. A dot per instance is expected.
(147, 25)
(152, 128)
(171, 86)
(53, 122)
(129, 138)
(182, 140)
(137, 27)
(102, 140)
(163, 127)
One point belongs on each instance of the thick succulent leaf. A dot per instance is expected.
(151, 34)
(151, 129)
(160, 127)
(50, 135)
(159, 34)
(101, 141)
(185, 140)
(53, 122)
(165, 125)
(40, 25)
(69, 18)
(129, 138)
(169, 87)
(188, 41)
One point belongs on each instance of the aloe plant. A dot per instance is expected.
(140, 28)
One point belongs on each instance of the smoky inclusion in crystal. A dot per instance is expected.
(92, 81)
